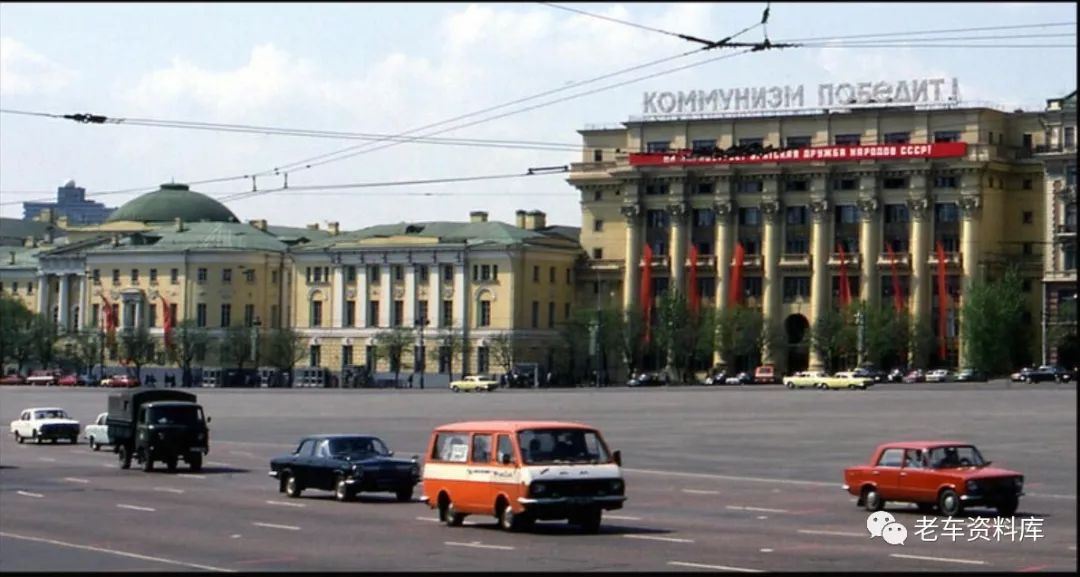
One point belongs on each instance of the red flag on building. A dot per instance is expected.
(898, 298)
(943, 301)
(692, 281)
(109, 320)
(845, 287)
(166, 315)
(646, 290)
(736, 275)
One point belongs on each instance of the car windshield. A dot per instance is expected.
(357, 446)
(955, 456)
(539, 446)
(174, 415)
(51, 414)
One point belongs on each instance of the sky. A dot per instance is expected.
(391, 68)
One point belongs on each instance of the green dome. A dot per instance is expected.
(173, 201)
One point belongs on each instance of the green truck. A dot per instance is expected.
(164, 425)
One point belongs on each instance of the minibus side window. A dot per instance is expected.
(505, 449)
(481, 449)
(452, 447)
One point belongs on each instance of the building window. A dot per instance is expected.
(551, 275)
(847, 140)
(893, 183)
(482, 359)
(151, 317)
(201, 275)
(845, 184)
(704, 248)
(226, 315)
(796, 246)
(346, 355)
(659, 248)
(315, 358)
(657, 146)
(172, 312)
(373, 314)
(897, 214)
(448, 273)
(249, 315)
(373, 274)
(598, 225)
(350, 273)
(598, 254)
(1028, 185)
(423, 275)
(226, 275)
(485, 314)
(798, 141)
(566, 311)
(703, 217)
(153, 276)
(751, 141)
(897, 137)
(134, 276)
(174, 276)
(597, 155)
(399, 273)
(551, 315)
(752, 286)
(316, 313)
(946, 212)
(796, 215)
(273, 277)
(200, 315)
(97, 276)
(656, 189)
(350, 313)
(536, 314)
(796, 288)
(705, 188)
(949, 182)
(749, 186)
(947, 136)
(797, 185)
(116, 276)
(1029, 217)
(750, 216)
(95, 312)
(569, 277)
(1029, 249)
(656, 219)
(847, 214)
(399, 313)
(249, 276)
(598, 195)
(421, 310)
(704, 146)
(447, 313)
(536, 274)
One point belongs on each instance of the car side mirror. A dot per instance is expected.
(617, 456)
(506, 459)
(208, 419)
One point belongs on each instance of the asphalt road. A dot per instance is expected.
(726, 478)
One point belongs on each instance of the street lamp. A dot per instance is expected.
(422, 365)
(860, 322)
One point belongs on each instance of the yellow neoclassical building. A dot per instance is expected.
(860, 179)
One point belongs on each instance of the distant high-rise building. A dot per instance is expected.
(70, 202)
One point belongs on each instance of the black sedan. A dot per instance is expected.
(972, 376)
(346, 465)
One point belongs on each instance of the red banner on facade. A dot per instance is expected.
(646, 291)
(166, 314)
(735, 290)
(808, 154)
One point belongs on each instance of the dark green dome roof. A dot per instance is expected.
(173, 201)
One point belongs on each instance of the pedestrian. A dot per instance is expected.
(410, 381)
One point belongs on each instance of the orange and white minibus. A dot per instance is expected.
(521, 472)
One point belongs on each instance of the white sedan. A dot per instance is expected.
(940, 376)
(42, 423)
(97, 434)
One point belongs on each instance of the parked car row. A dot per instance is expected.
(54, 378)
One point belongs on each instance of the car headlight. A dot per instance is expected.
(538, 488)
(972, 487)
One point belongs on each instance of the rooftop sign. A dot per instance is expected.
(763, 98)
(808, 154)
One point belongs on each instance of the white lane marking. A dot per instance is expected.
(716, 567)
(284, 504)
(115, 552)
(190, 476)
(47, 459)
(942, 559)
(169, 490)
(34, 495)
(655, 538)
(622, 517)
(700, 492)
(766, 550)
(244, 454)
(762, 517)
(732, 478)
(1050, 496)
(275, 526)
(76, 480)
(235, 536)
(757, 509)
(136, 508)
(479, 545)
(830, 533)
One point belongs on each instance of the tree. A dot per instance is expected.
(188, 341)
(392, 344)
(16, 344)
(833, 337)
(138, 348)
(502, 347)
(1063, 334)
(687, 338)
(452, 341)
(741, 331)
(283, 348)
(921, 341)
(236, 348)
(628, 334)
(994, 334)
(81, 351)
(573, 347)
(885, 335)
(43, 340)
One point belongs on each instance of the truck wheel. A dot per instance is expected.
(18, 438)
(949, 503)
(195, 462)
(94, 445)
(124, 457)
(148, 464)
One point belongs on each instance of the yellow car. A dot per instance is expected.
(475, 383)
(805, 380)
(847, 380)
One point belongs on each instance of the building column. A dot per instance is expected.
(65, 303)
(771, 281)
(870, 247)
(386, 307)
(435, 297)
(969, 255)
(725, 233)
(337, 310)
(820, 275)
(80, 319)
(410, 296)
(138, 314)
(920, 253)
(677, 213)
(43, 295)
(632, 274)
(362, 299)
(461, 310)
